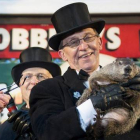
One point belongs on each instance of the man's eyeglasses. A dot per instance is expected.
(40, 77)
(74, 43)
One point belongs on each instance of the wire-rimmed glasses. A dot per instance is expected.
(75, 42)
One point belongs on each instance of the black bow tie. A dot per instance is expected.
(83, 76)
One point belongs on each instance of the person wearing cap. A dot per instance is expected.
(35, 66)
(54, 114)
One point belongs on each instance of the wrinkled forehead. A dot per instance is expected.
(78, 34)
(81, 33)
(35, 70)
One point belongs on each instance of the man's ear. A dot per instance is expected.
(100, 43)
(19, 84)
(62, 55)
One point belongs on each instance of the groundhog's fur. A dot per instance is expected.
(117, 120)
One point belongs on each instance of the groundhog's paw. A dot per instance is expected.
(96, 130)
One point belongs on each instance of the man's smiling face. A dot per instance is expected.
(85, 55)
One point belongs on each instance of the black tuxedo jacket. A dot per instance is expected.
(53, 111)
(52, 108)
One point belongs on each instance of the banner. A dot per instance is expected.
(122, 40)
(119, 40)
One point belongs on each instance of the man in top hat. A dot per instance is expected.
(35, 66)
(54, 115)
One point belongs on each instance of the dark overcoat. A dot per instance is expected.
(52, 108)
(7, 133)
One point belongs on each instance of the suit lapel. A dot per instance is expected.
(76, 86)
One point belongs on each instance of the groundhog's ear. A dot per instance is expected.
(114, 61)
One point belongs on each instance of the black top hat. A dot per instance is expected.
(72, 18)
(35, 57)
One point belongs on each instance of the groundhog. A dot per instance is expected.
(117, 120)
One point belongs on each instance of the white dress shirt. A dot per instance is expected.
(87, 112)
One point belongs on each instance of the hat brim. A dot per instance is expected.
(55, 40)
(17, 70)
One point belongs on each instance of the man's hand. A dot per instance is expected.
(109, 97)
(21, 123)
(133, 83)
(4, 100)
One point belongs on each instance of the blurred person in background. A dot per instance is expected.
(35, 66)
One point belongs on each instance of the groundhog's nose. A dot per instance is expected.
(128, 69)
